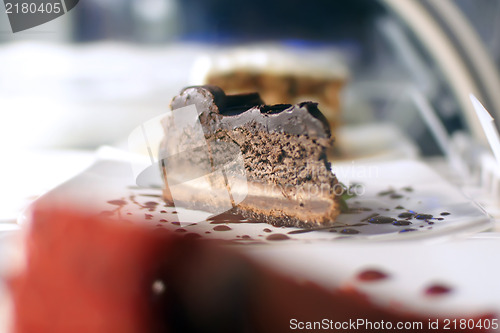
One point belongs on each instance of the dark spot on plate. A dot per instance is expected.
(349, 231)
(407, 230)
(406, 215)
(370, 275)
(117, 202)
(277, 237)
(401, 222)
(381, 220)
(423, 216)
(222, 227)
(437, 289)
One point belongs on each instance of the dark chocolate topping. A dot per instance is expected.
(218, 110)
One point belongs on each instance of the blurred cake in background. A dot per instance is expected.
(280, 74)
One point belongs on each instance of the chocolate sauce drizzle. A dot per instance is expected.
(223, 221)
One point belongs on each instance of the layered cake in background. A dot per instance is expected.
(285, 178)
(88, 274)
(279, 74)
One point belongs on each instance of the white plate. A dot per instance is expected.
(415, 188)
(467, 267)
(413, 261)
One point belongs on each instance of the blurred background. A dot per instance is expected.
(403, 69)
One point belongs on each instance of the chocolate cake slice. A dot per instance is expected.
(284, 177)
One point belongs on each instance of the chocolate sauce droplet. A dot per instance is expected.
(381, 220)
(180, 230)
(437, 289)
(423, 216)
(222, 227)
(246, 237)
(408, 230)
(117, 202)
(148, 216)
(267, 230)
(371, 275)
(349, 231)
(163, 220)
(395, 196)
(401, 222)
(277, 237)
(406, 215)
(445, 214)
(399, 207)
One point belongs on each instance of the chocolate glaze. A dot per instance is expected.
(220, 111)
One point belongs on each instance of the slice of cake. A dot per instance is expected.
(284, 177)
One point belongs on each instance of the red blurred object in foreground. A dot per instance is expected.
(85, 274)
(88, 274)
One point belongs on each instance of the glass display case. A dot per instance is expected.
(404, 86)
